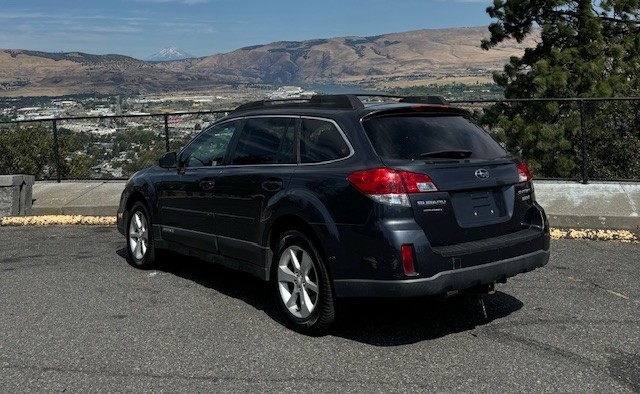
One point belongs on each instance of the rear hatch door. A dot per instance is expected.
(479, 194)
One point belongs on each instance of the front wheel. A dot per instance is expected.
(301, 285)
(140, 245)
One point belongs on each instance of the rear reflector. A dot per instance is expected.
(407, 260)
(391, 187)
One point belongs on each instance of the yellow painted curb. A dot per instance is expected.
(600, 235)
(58, 220)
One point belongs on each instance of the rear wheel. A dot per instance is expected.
(140, 245)
(301, 285)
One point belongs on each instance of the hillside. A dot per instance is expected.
(411, 55)
(374, 61)
(32, 73)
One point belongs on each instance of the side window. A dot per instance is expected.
(266, 141)
(209, 148)
(321, 141)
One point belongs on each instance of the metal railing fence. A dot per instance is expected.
(107, 147)
(579, 139)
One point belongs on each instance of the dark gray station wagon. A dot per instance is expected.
(329, 198)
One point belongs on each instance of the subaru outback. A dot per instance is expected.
(337, 196)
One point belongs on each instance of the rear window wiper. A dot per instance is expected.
(447, 154)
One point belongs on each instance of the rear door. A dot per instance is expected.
(480, 194)
(261, 165)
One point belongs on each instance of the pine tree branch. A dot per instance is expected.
(573, 14)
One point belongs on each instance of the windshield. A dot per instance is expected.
(430, 138)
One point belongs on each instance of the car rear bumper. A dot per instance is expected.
(457, 279)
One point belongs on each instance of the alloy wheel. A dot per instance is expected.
(138, 235)
(298, 282)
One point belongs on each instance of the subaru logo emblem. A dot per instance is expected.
(482, 173)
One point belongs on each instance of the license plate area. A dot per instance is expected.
(479, 208)
(483, 204)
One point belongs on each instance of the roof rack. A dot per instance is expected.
(335, 101)
(435, 100)
(338, 101)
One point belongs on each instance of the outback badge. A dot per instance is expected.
(482, 173)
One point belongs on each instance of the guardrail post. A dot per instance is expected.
(583, 135)
(56, 151)
(166, 132)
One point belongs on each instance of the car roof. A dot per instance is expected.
(364, 105)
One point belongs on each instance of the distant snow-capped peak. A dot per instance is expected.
(167, 54)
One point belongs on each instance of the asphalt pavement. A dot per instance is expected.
(77, 318)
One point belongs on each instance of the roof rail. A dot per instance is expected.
(346, 101)
(336, 101)
(436, 100)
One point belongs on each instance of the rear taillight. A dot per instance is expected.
(523, 173)
(418, 183)
(391, 187)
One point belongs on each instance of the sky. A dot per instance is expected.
(140, 28)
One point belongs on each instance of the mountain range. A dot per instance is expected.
(412, 57)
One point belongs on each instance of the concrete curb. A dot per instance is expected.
(86, 198)
(594, 222)
(597, 205)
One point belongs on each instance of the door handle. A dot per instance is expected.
(207, 185)
(272, 185)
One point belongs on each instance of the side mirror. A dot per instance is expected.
(168, 160)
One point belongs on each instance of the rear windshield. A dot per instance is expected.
(415, 137)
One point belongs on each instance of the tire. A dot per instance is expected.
(301, 285)
(140, 244)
